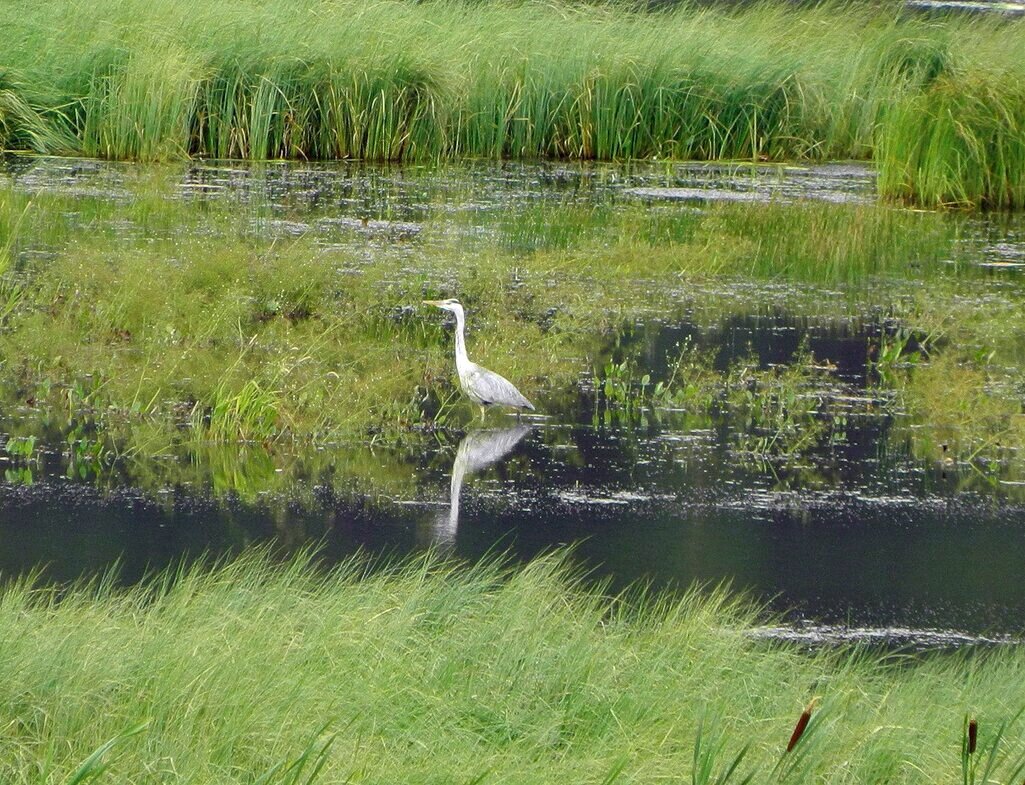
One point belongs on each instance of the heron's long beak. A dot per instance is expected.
(435, 303)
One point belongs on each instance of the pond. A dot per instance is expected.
(815, 477)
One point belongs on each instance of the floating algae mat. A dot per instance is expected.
(744, 373)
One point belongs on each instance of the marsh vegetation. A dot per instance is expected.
(934, 101)
(170, 322)
(252, 334)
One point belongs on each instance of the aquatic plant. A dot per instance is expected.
(783, 411)
(191, 329)
(992, 763)
(249, 414)
(890, 353)
(26, 126)
(775, 412)
(171, 323)
(403, 81)
(691, 384)
(21, 452)
(952, 364)
(965, 409)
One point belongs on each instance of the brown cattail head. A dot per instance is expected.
(802, 724)
(973, 735)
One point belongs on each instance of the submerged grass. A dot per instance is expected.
(934, 100)
(227, 338)
(250, 671)
(963, 387)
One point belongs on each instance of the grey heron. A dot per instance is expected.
(483, 387)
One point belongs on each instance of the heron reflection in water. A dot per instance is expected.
(477, 450)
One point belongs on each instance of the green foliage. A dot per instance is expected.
(25, 126)
(692, 384)
(962, 385)
(993, 761)
(966, 409)
(775, 412)
(21, 447)
(249, 414)
(709, 752)
(87, 454)
(94, 765)
(784, 410)
(21, 452)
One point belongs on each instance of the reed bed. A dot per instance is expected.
(252, 671)
(935, 101)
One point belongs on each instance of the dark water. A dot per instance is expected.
(858, 532)
(844, 556)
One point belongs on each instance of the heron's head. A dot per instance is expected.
(448, 305)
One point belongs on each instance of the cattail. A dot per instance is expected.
(973, 735)
(802, 724)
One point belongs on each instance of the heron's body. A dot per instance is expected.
(483, 387)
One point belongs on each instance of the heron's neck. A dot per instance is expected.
(461, 359)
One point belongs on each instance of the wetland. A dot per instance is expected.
(745, 373)
(757, 267)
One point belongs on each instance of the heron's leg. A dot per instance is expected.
(482, 412)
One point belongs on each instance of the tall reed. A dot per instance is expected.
(391, 80)
(960, 143)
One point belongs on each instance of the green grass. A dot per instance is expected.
(960, 143)
(934, 100)
(436, 673)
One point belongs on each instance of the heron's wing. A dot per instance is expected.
(492, 388)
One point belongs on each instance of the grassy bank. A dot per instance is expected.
(253, 673)
(935, 101)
